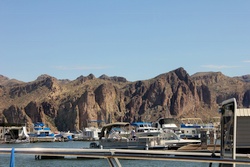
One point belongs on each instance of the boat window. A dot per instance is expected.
(171, 136)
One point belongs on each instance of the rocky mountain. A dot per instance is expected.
(245, 78)
(71, 105)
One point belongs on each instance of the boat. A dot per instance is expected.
(145, 129)
(78, 135)
(91, 133)
(41, 133)
(191, 128)
(67, 136)
(16, 134)
(173, 140)
(167, 124)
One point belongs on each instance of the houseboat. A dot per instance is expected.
(191, 128)
(41, 133)
(145, 129)
(167, 124)
(91, 133)
(16, 134)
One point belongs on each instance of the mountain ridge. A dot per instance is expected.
(72, 104)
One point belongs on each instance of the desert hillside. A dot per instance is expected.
(70, 105)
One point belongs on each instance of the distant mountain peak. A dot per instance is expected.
(43, 76)
(3, 78)
(8, 82)
(245, 78)
(201, 74)
(114, 78)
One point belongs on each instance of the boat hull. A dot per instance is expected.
(42, 139)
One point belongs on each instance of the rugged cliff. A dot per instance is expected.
(70, 105)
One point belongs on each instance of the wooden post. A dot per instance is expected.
(211, 136)
(203, 140)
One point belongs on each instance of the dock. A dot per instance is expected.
(198, 148)
(41, 139)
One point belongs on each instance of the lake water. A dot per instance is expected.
(29, 160)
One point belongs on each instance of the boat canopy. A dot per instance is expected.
(108, 127)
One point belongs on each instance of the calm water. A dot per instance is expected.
(29, 160)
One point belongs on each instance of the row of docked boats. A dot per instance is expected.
(43, 133)
(163, 134)
(40, 133)
(140, 135)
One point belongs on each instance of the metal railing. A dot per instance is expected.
(113, 155)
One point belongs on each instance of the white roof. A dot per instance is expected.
(169, 126)
(243, 112)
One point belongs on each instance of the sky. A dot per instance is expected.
(135, 39)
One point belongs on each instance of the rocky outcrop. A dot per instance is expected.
(5, 81)
(71, 105)
(115, 78)
(14, 114)
(245, 78)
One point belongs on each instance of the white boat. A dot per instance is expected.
(41, 133)
(68, 136)
(16, 134)
(173, 141)
(78, 135)
(91, 133)
(191, 128)
(167, 124)
(145, 129)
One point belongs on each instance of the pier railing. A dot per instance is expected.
(113, 155)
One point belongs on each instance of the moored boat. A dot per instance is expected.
(191, 128)
(168, 137)
(41, 133)
(145, 129)
(167, 124)
(118, 136)
(16, 134)
(91, 133)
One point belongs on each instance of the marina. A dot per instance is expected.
(117, 142)
(125, 84)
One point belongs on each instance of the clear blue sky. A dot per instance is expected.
(135, 39)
